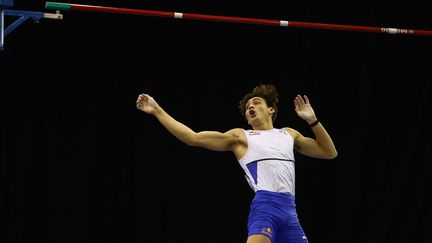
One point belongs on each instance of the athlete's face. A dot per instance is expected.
(256, 108)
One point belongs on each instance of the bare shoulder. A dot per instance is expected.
(293, 132)
(238, 135)
(236, 132)
(239, 146)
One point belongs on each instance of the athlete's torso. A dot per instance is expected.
(269, 160)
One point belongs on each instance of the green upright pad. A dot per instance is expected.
(58, 6)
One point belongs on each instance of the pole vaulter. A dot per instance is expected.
(215, 18)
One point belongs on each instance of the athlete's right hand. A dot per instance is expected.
(146, 103)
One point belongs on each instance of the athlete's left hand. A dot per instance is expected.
(304, 109)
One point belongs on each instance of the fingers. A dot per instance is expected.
(299, 100)
(142, 97)
(141, 100)
(306, 99)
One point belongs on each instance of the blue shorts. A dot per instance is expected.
(274, 215)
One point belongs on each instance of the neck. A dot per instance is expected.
(263, 126)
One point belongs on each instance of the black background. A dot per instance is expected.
(79, 163)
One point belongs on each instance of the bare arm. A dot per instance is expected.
(322, 146)
(212, 140)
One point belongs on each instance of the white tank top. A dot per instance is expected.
(269, 160)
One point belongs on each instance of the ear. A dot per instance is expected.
(272, 110)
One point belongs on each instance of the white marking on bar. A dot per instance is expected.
(178, 15)
(390, 30)
(283, 23)
(53, 16)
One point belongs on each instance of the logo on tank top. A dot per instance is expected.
(283, 131)
(254, 133)
(267, 231)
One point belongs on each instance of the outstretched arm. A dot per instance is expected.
(212, 140)
(322, 146)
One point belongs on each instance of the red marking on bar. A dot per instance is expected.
(242, 20)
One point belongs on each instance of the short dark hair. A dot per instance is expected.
(266, 91)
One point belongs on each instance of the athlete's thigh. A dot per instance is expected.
(258, 239)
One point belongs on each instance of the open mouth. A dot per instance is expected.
(252, 113)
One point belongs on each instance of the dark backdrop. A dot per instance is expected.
(79, 163)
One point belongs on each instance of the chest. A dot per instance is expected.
(275, 142)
